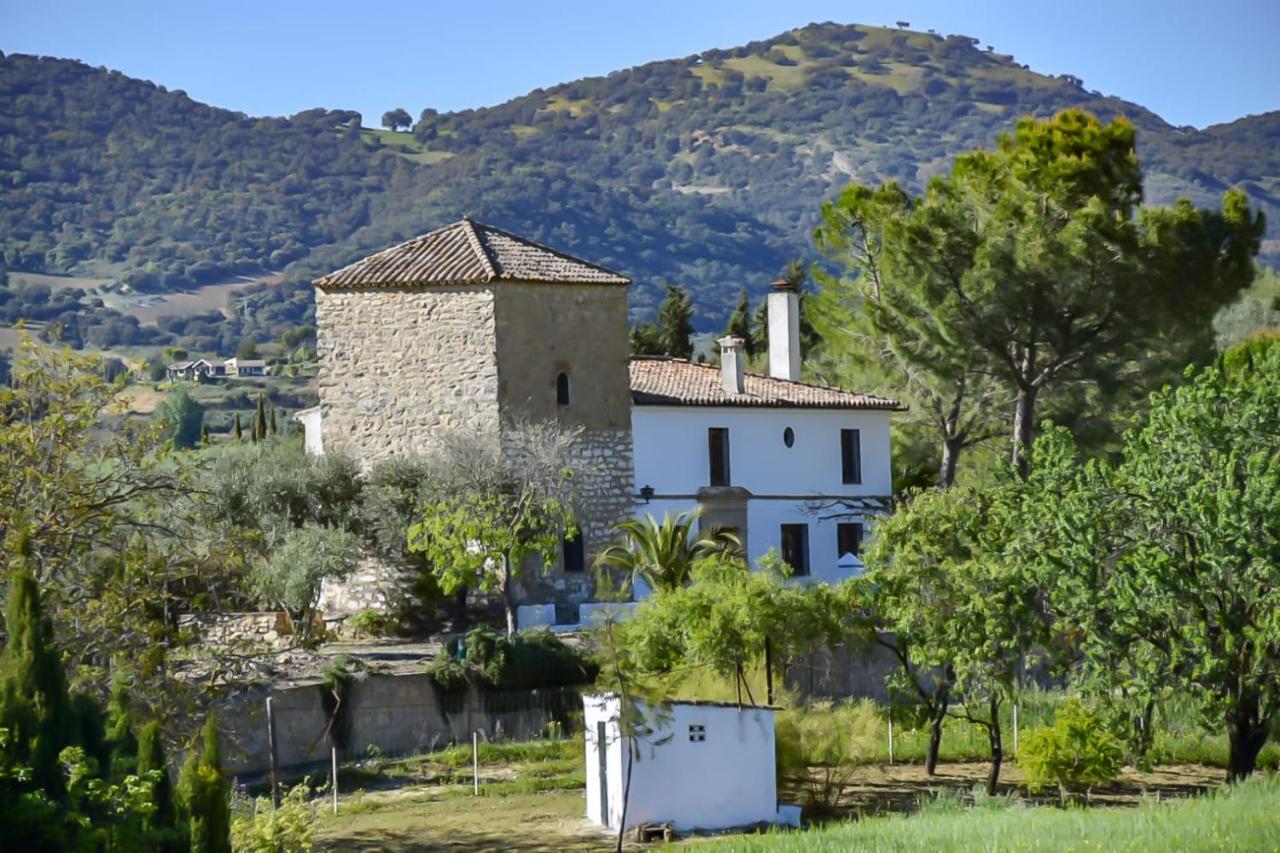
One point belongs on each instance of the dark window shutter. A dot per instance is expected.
(718, 456)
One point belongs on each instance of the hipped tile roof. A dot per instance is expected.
(468, 252)
(662, 381)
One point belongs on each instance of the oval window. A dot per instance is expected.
(788, 436)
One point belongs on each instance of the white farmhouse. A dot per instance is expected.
(786, 465)
(705, 765)
(470, 326)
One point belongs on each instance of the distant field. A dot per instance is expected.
(57, 282)
(149, 307)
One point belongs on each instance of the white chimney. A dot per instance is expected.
(784, 331)
(732, 364)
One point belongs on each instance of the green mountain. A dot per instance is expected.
(707, 170)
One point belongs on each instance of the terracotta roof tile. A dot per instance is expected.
(660, 381)
(467, 252)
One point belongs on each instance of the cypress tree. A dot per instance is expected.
(273, 418)
(204, 795)
(239, 429)
(151, 757)
(260, 425)
(119, 728)
(204, 435)
(34, 705)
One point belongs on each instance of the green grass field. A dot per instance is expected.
(1244, 818)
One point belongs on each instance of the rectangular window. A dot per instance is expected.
(848, 539)
(795, 548)
(718, 452)
(575, 558)
(697, 733)
(850, 456)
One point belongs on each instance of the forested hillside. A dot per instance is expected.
(706, 171)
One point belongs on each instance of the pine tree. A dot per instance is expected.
(675, 322)
(239, 428)
(260, 425)
(151, 757)
(34, 704)
(740, 323)
(204, 795)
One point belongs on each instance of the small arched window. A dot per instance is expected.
(562, 389)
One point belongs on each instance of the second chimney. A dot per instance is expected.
(784, 331)
(732, 364)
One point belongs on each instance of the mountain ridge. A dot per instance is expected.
(706, 170)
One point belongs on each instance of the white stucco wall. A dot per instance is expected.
(670, 445)
(310, 419)
(727, 780)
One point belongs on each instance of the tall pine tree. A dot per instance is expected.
(151, 758)
(260, 424)
(239, 428)
(740, 322)
(675, 323)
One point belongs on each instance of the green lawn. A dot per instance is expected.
(1245, 818)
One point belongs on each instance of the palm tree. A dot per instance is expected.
(662, 553)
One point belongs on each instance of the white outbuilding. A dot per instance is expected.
(704, 766)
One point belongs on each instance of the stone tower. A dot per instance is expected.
(468, 327)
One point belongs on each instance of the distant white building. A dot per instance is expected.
(785, 465)
(707, 765)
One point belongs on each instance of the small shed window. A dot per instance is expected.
(697, 733)
(788, 436)
(562, 389)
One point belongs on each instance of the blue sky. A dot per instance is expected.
(1192, 61)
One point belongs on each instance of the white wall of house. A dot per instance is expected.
(789, 485)
(310, 419)
(725, 779)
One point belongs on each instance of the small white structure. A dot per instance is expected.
(310, 420)
(707, 765)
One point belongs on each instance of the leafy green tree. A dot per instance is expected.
(726, 616)
(1039, 259)
(1170, 559)
(204, 794)
(248, 349)
(1257, 311)
(961, 620)
(183, 419)
(493, 506)
(662, 554)
(675, 323)
(740, 322)
(396, 119)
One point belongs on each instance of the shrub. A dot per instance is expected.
(1077, 752)
(284, 829)
(371, 623)
(819, 746)
(530, 659)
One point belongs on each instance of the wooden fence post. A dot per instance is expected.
(275, 758)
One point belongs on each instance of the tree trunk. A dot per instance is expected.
(507, 604)
(950, 456)
(997, 747)
(935, 730)
(1024, 428)
(1246, 735)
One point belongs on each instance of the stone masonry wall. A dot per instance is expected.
(400, 365)
(605, 495)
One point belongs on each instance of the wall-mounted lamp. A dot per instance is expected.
(646, 492)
